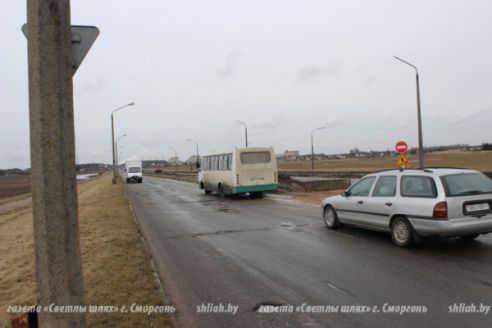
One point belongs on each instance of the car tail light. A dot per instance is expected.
(440, 210)
(237, 178)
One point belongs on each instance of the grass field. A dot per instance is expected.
(14, 185)
(476, 160)
(116, 265)
(479, 160)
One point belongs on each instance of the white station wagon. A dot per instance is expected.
(412, 203)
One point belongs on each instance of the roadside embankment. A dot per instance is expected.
(117, 268)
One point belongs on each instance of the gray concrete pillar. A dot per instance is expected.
(54, 185)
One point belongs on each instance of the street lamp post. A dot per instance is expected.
(312, 145)
(118, 152)
(175, 156)
(197, 153)
(115, 172)
(245, 131)
(419, 116)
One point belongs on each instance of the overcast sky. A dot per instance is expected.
(284, 67)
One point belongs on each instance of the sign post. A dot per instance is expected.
(401, 148)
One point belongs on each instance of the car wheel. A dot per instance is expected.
(402, 232)
(470, 237)
(207, 192)
(330, 217)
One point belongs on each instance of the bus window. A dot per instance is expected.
(255, 157)
(224, 162)
(229, 162)
(221, 162)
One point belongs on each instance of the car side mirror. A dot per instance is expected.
(345, 193)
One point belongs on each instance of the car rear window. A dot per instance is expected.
(255, 157)
(466, 184)
(418, 186)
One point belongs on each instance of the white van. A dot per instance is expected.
(133, 171)
(243, 170)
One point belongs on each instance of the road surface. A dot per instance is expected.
(245, 252)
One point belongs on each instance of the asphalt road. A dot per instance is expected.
(247, 252)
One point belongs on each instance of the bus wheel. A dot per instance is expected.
(257, 194)
(221, 191)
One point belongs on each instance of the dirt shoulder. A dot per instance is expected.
(116, 265)
(313, 197)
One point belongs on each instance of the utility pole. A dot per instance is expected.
(175, 158)
(312, 145)
(197, 153)
(419, 118)
(245, 131)
(419, 115)
(54, 186)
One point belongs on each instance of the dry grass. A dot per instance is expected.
(116, 265)
(480, 160)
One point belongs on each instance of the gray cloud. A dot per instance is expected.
(228, 68)
(277, 121)
(310, 72)
(471, 117)
(333, 123)
(370, 79)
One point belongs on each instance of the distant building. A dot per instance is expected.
(152, 164)
(291, 155)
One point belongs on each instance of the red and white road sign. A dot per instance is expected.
(401, 147)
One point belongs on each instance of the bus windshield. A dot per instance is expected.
(255, 157)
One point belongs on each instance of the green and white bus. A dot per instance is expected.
(243, 170)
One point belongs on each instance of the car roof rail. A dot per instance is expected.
(445, 167)
(386, 170)
(425, 169)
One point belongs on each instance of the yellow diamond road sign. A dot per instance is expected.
(403, 160)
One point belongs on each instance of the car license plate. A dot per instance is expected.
(477, 207)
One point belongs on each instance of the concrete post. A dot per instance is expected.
(419, 118)
(115, 179)
(312, 151)
(54, 185)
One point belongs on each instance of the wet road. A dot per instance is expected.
(248, 252)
